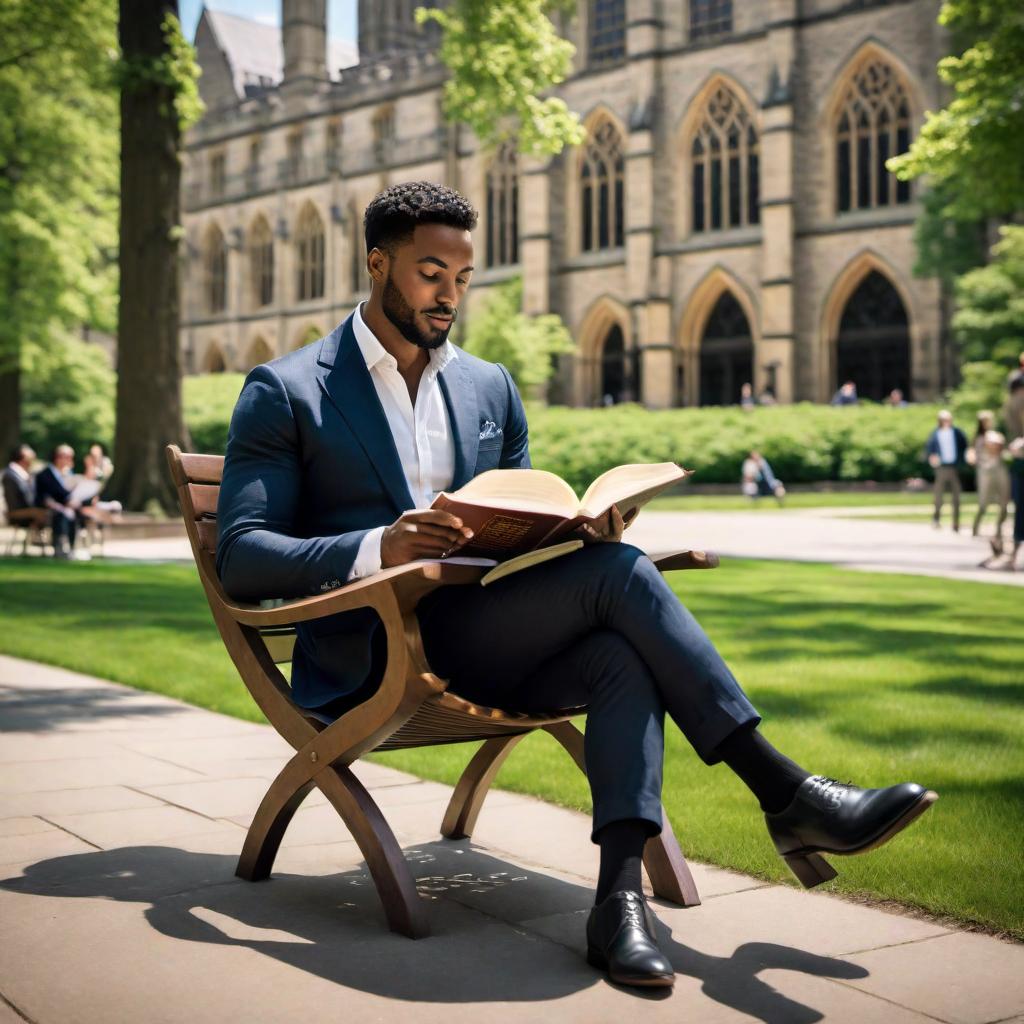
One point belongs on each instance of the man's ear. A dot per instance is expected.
(377, 261)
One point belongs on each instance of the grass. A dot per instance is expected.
(873, 677)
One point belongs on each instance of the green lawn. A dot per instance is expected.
(877, 678)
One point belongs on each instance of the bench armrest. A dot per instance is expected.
(686, 560)
(405, 584)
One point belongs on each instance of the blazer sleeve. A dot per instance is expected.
(258, 557)
(515, 452)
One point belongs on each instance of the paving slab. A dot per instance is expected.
(119, 901)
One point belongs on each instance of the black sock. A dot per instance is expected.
(622, 848)
(769, 775)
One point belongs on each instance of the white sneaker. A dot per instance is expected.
(81, 556)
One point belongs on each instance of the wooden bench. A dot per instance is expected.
(411, 708)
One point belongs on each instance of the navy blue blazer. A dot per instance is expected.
(311, 467)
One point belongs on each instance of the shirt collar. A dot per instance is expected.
(374, 352)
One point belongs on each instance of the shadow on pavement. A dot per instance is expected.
(332, 927)
(49, 709)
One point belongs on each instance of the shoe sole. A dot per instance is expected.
(812, 869)
(597, 959)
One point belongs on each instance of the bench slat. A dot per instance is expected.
(204, 499)
(202, 469)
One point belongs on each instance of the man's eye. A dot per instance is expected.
(429, 277)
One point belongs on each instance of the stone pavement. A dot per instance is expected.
(122, 814)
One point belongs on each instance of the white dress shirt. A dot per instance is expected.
(422, 433)
(947, 446)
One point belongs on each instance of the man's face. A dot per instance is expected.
(27, 457)
(65, 460)
(425, 281)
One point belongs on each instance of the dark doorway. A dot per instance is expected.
(726, 353)
(873, 348)
(613, 368)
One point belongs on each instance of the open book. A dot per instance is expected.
(515, 511)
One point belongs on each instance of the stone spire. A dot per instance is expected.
(304, 32)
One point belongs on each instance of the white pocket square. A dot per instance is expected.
(488, 430)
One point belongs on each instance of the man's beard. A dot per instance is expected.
(402, 315)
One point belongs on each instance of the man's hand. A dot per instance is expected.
(609, 529)
(422, 533)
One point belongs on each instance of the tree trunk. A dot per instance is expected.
(10, 406)
(149, 414)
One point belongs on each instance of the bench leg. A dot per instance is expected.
(468, 797)
(403, 908)
(666, 866)
(406, 913)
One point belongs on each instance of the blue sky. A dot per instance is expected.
(341, 14)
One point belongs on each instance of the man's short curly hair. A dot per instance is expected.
(393, 214)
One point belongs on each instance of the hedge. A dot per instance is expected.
(804, 443)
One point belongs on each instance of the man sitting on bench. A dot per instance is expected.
(335, 454)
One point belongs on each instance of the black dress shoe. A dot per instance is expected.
(826, 816)
(620, 939)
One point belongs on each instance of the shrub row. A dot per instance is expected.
(73, 402)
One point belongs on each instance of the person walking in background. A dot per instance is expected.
(986, 454)
(946, 450)
(846, 395)
(758, 480)
(1013, 417)
(746, 396)
(896, 399)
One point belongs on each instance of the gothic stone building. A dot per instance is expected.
(728, 219)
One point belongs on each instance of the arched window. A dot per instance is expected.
(725, 165)
(213, 360)
(503, 208)
(259, 352)
(606, 32)
(216, 267)
(358, 275)
(601, 191)
(726, 353)
(309, 253)
(261, 262)
(872, 124)
(873, 347)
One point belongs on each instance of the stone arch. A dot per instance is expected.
(600, 118)
(690, 123)
(843, 289)
(606, 321)
(308, 334)
(870, 52)
(259, 351)
(214, 360)
(697, 311)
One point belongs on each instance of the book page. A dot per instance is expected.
(532, 490)
(629, 486)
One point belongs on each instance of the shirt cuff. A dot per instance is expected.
(367, 559)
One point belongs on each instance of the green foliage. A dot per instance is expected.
(502, 333)
(502, 55)
(982, 386)
(209, 401)
(177, 69)
(804, 443)
(979, 137)
(67, 397)
(58, 171)
(946, 246)
(989, 321)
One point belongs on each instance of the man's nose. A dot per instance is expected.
(446, 296)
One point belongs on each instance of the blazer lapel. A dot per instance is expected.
(346, 381)
(459, 393)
